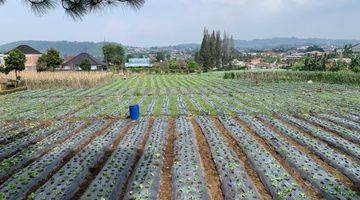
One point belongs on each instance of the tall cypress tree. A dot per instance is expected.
(226, 50)
(218, 50)
(215, 51)
(201, 55)
(205, 51)
(212, 55)
(232, 50)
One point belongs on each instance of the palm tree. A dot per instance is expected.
(78, 8)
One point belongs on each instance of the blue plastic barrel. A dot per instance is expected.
(134, 111)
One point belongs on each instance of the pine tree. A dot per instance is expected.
(232, 49)
(78, 8)
(218, 50)
(226, 51)
(212, 56)
(203, 46)
(204, 54)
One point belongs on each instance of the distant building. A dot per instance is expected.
(238, 63)
(255, 61)
(294, 56)
(74, 63)
(32, 56)
(138, 62)
(315, 53)
(68, 58)
(2, 61)
(270, 53)
(303, 48)
(345, 60)
(329, 48)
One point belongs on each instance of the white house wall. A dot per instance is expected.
(2, 61)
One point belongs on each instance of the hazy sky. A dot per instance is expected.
(166, 22)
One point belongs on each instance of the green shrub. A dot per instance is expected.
(356, 69)
(355, 64)
(85, 65)
(298, 66)
(342, 77)
(229, 75)
(337, 66)
(156, 69)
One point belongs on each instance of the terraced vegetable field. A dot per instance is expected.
(200, 137)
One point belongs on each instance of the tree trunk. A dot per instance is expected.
(16, 80)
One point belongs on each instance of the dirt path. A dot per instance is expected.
(211, 174)
(165, 190)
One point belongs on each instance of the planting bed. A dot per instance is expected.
(200, 137)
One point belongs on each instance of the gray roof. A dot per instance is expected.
(81, 57)
(25, 49)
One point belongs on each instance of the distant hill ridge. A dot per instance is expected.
(65, 47)
(291, 42)
(94, 48)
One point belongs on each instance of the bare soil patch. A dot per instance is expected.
(165, 190)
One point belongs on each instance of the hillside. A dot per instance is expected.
(291, 42)
(94, 48)
(271, 43)
(65, 47)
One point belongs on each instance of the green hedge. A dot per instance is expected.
(316, 76)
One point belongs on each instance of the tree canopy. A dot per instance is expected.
(347, 50)
(49, 61)
(216, 51)
(160, 56)
(114, 55)
(192, 65)
(314, 48)
(315, 63)
(355, 64)
(174, 66)
(14, 61)
(85, 65)
(78, 8)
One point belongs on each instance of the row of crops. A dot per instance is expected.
(47, 104)
(108, 159)
(200, 137)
